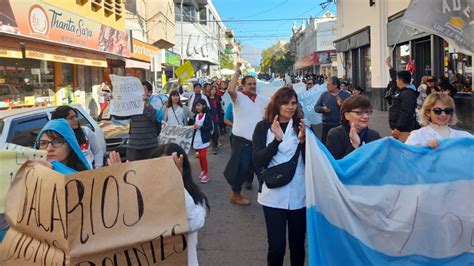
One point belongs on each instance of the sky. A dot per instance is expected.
(258, 35)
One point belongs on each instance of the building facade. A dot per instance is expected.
(200, 35)
(232, 45)
(53, 52)
(312, 46)
(151, 25)
(364, 43)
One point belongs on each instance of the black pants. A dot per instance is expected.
(276, 220)
(135, 155)
(326, 129)
(245, 168)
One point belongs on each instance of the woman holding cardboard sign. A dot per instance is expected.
(196, 202)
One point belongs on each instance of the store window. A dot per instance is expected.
(367, 68)
(402, 56)
(458, 68)
(29, 82)
(348, 65)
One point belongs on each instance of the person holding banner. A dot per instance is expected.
(195, 200)
(202, 136)
(249, 109)
(144, 128)
(354, 131)
(277, 141)
(437, 114)
(63, 153)
(86, 138)
(174, 112)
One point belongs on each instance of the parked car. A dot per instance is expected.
(173, 85)
(22, 126)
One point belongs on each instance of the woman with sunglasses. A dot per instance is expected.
(353, 131)
(436, 116)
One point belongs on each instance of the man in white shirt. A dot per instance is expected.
(249, 109)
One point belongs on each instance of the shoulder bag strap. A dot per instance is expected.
(172, 108)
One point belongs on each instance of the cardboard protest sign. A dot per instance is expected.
(127, 96)
(129, 214)
(308, 100)
(185, 72)
(183, 136)
(12, 158)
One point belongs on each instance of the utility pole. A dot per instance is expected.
(182, 33)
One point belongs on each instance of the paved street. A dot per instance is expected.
(235, 235)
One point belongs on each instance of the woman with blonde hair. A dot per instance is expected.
(437, 115)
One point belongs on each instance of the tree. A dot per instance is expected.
(277, 59)
(227, 62)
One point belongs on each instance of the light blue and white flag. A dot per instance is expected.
(388, 203)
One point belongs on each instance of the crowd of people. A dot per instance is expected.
(267, 140)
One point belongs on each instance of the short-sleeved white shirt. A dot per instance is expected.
(247, 114)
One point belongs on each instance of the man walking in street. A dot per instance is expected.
(144, 129)
(329, 105)
(249, 109)
(402, 112)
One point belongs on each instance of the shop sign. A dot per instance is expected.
(10, 53)
(326, 35)
(172, 59)
(143, 51)
(35, 19)
(324, 58)
(64, 59)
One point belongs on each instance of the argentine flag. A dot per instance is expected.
(388, 203)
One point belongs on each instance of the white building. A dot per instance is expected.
(313, 48)
(200, 35)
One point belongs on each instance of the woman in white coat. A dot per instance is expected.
(437, 115)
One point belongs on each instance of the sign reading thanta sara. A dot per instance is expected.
(38, 20)
(450, 19)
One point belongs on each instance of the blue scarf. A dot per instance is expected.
(62, 127)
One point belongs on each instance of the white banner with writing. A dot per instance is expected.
(127, 96)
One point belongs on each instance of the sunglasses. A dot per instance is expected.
(447, 111)
(309, 83)
(360, 113)
(56, 143)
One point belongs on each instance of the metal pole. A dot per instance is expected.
(182, 33)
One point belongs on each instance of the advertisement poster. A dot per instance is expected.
(38, 20)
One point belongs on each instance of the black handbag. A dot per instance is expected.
(280, 175)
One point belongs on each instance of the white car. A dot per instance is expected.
(22, 126)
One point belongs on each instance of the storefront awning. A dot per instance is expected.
(43, 51)
(354, 40)
(136, 64)
(10, 47)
